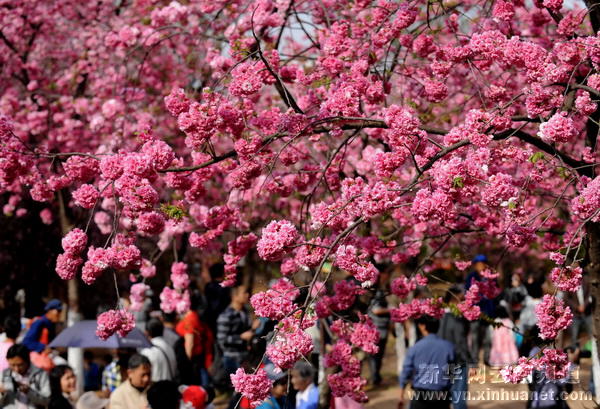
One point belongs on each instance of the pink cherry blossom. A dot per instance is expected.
(255, 387)
(137, 296)
(67, 265)
(559, 128)
(516, 373)
(74, 242)
(553, 316)
(567, 278)
(276, 239)
(86, 196)
(114, 321)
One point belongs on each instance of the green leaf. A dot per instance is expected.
(172, 211)
(536, 157)
(458, 182)
(325, 81)
(563, 172)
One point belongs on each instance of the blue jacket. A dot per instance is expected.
(428, 364)
(487, 306)
(270, 403)
(32, 337)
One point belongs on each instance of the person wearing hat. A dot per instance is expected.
(167, 395)
(480, 330)
(278, 391)
(43, 329)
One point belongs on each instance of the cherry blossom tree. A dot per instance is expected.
(305, 133)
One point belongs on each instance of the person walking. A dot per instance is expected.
(455, 329)
(217, 297)
(504, 347)
(161, 355)
(581, 304)
(234, 330)
(92, 377)
(43, 329)
(426, 367)
(198, 341)
(132, 394)
(23, 386)
(515, 296)
(479, 330)
(169, 334)
(380, 315)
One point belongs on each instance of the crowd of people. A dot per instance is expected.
(192, 356)
(189, 362)
(445, 353)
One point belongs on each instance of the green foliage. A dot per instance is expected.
(536, 157)
(172, 211)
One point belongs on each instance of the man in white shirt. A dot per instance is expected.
(161, 355)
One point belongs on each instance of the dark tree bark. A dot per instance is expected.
(592, 241)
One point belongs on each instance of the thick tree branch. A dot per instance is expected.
(579, 166)
(284, 93)
(594, 12)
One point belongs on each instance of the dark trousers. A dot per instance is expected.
(376, 361)
(480, 339)
(423, 399)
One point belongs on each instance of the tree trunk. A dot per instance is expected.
(592, 270)
(324, 389)
(74, 355)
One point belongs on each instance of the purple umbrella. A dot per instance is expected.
(83, 335)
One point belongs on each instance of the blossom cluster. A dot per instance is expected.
(176, 299)
(274, 303)
(417, 308)
(559, 128)
(554, 363)
(68, 263)
(122, 255)
(348, 258)
(276, 239)
(114, 321)
(553, 316)
(289, 344)
(179, 276)
(137, 296)
(343, 297)
(255, 387)
(567, 278)
(346, 381)
(587, 204)
(403, 285)
(236, 250)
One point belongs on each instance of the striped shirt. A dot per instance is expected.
(230, 325)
